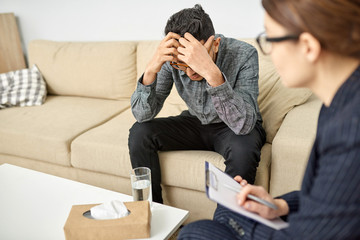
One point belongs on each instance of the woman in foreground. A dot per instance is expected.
(313, 44)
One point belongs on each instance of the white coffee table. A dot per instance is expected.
(34, 205)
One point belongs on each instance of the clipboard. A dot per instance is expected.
(215, 181)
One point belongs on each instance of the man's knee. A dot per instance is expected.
(139, 132)
(242, 160)
(140, 129)
(247, 151)
(243, 151)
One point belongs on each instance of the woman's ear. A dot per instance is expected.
(311, 47)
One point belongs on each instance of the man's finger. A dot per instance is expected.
(189, 37)
(209, 42)
(184, 42)
(171, 51)
(173, 35)
(180, 56)
(172, 43)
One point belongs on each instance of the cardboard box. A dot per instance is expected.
(135, 225)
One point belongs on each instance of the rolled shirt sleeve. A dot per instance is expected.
(236, 102)
(239, 115)
(148, 100)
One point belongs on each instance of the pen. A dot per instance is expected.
(252, 197)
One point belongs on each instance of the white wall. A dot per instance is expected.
(113, 20)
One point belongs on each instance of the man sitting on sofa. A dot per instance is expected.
(217, 77)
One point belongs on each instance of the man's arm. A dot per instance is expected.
(166, 51)
(155, 84)
(196, 56)
(235, 105)
(148, 100)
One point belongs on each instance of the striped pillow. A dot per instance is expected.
(24, 87)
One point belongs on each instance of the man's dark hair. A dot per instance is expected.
(192, 20)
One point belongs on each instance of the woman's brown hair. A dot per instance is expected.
(335, 23)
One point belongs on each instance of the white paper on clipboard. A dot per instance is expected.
(215, 190)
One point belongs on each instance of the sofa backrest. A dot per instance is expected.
(275, 100)
(87, 69)
(110, 70)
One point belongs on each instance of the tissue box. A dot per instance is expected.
(135, 225)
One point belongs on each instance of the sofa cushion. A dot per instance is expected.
(92, 69)
(45, 132)
(103, 151)
(186, 169)
(24, 87)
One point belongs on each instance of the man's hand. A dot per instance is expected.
(166, 51)
(262, 210)
(196, 55)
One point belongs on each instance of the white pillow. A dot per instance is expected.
(24, 87)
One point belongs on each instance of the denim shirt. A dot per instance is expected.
(234, 102)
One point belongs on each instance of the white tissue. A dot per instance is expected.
(109, 210)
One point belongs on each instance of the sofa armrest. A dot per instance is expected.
(292, 146)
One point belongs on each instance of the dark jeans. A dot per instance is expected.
(185, 132)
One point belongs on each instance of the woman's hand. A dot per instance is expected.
(262, 210)
(240, 180)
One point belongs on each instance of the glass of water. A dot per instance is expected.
(141, 184)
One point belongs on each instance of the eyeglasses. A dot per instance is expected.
(265, 43)
(179, 66)
(184, 66)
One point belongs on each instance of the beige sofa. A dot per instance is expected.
(81, 131)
